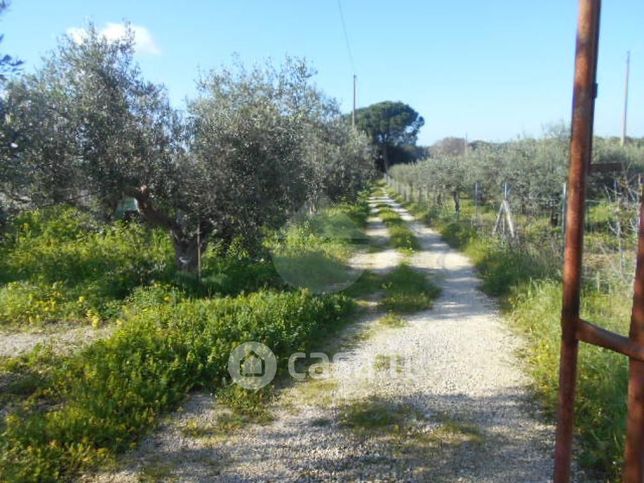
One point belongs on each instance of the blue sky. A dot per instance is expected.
(491, 69)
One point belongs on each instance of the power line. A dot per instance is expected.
(353, 67)
(346, 36)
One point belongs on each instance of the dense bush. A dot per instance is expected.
(102, 399)
(59, 263)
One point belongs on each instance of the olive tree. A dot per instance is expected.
(268, 141)
(256, 144)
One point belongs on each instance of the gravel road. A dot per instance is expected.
(449, 381)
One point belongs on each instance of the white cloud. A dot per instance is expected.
(143, 41)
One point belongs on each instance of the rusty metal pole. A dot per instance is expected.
(580, 157)
(634, 454)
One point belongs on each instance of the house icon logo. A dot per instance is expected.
(252, 365)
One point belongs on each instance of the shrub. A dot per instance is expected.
(61, 264)
(114, 390)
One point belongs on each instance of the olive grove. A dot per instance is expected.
(257, 143)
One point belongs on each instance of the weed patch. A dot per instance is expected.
(113, 391)
(407, 290)
(401, 237)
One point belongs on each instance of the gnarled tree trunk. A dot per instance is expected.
(456, 196)
(188, 247)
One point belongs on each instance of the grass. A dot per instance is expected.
(367, 284)
(371, 415)
(526, 277)
(401, 237)
(59, 264)
(239, 409)
(27, 376)
(157, 470)
(404, 289)
(603, 375)
(406, 427)
(319, 392)
(407, 290)
(72, 413)
(428, 446)
(313, 252)
(104, 397)
(393, 321)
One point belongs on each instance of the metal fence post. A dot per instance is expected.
(580, 156)
(634, 452)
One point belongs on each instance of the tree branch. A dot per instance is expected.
(149, 212)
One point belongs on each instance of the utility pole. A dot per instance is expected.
(624, 120)
(353, 113)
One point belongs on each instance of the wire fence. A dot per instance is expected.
(612, 224)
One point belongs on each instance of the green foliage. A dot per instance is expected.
(503, 267)
(114, 390)
(60, 264)
(229, 271)
(27, 376)
(391, 127)
(256, 144)
(357, 210)
(603, 375)
(600, 215)
(313, 251)
(407, 290)
(246, 406)
(368, 283)
(404, 290)
(400, 235)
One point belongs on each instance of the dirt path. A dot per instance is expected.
(63, 338)
(441, 398)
